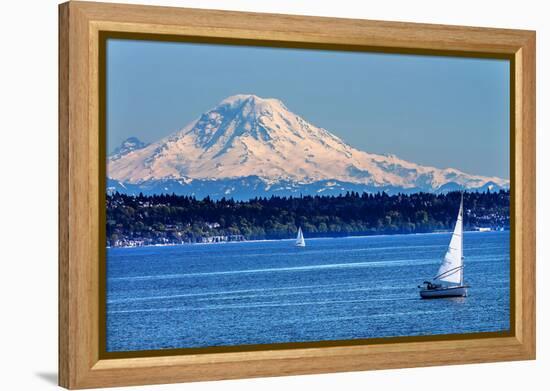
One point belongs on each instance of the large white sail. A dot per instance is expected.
(300, 242)
(451, 269)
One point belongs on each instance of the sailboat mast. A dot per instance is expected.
(448, 281)
(462, 238)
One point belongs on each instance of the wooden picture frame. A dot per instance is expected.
(82, 164)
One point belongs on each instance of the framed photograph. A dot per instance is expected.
(247, 195)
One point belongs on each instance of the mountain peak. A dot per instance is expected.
(240, 99)
(240, 119)
(251, 105)
(129, 145)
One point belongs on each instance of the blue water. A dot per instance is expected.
(224, 294)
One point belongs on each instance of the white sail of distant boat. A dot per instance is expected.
(300, 242)
(449, 280)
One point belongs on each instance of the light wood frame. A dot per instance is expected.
(80, 165)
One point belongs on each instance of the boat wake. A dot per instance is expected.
(260, 305)
(401, 262)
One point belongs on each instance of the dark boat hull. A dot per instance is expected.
(455, 291)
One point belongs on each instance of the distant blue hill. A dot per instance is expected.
(253, 186)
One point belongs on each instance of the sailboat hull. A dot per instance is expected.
(455, 291)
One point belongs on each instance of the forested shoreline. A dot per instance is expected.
(171, 219)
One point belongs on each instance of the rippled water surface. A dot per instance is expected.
(271, 292)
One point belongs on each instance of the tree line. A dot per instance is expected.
(157, 219)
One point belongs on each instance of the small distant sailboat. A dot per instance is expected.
(300, 242)
(449, 281)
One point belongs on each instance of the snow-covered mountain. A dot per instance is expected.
(127, 146)
(251, 146)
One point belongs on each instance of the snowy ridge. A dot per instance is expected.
(127, 146)
(246, 136)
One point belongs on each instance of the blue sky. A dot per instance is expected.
(439, 111)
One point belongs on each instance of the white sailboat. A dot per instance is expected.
(300, 242)
(449, 281)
